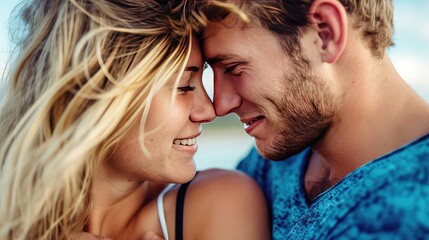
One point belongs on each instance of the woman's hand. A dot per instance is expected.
(89, 236)
(151, 236)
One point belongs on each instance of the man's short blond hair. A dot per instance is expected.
(286, 19)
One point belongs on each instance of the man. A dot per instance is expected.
(312, 82)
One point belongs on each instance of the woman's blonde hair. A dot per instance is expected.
(87, 70)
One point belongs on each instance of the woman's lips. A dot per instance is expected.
(185, 142)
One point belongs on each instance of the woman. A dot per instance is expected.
(102, 109)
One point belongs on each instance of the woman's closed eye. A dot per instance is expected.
(185, 89)
(191, 70)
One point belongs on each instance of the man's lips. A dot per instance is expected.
(249, 121)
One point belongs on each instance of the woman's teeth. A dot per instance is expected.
(185, 142)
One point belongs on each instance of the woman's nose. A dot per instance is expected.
(202, 109)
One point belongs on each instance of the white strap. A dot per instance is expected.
(160, 207)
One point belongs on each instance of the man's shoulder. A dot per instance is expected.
(399, 210)
(394, 186)
(390, 200)
(396, 209)
(385, 198)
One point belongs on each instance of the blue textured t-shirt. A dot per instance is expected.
(387, 198)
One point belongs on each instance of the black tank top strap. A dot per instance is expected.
(180, 205)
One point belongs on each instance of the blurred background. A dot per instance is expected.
(224, 141)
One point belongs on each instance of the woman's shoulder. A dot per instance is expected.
(219, 183)
(225, 204)
(219, 204)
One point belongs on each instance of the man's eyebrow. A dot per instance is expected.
(219, 58)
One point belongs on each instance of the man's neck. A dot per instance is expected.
(317, 177)
(378, 116)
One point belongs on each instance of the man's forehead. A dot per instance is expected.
(231, 22)
(210, 31)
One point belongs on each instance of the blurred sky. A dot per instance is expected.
(410, 55)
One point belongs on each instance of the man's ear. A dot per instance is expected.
(329, 20)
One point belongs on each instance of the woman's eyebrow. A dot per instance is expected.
(192, 69)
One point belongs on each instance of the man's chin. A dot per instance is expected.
(274, 152)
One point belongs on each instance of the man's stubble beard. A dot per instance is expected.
(305, 111)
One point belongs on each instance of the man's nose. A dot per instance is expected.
(225, 99)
